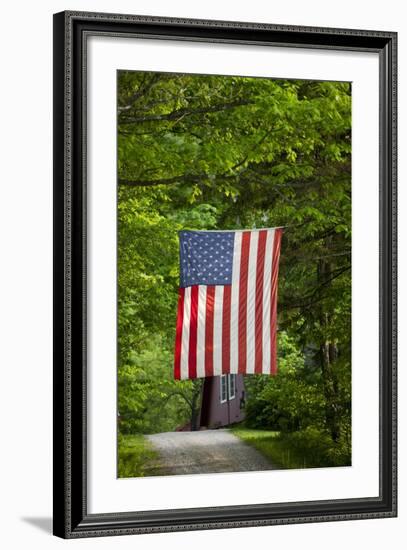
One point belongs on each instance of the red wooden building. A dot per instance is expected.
(223, 400)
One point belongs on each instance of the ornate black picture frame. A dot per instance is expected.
(71, 517)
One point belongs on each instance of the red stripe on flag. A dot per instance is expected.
(227, 294)
(210, 306)
(178, 334)
(244, 268)
(193, 332)
(274, 289)
(261, 252)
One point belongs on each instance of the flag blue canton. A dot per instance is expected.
(206, 257)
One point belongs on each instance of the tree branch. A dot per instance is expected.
(180, 394)
(142, 90)
(162, 181)
(301, 300)
(174, 115)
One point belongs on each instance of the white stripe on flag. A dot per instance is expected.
(251, 303)
(234, 307)
(185, 334)
(200, 348)
(217, 331)
(266, 301)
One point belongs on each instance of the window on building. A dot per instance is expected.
(223, 388)
(227, 387)
(232, 386)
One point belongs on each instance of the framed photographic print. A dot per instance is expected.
(224, 274)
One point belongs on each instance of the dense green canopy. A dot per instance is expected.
(216, 152)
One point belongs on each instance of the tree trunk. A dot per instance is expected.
(328, 355)
(328, 351)
(195, 405)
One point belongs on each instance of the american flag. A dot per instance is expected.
(227, 303)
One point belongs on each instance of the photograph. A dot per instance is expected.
(224, 274)
(234, 247)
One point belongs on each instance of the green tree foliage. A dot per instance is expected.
(206, 152)
(290, 401)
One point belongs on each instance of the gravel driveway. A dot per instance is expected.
(206, 451)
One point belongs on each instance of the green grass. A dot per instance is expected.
(136, 457)
(307, 449)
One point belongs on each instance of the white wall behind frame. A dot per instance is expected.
(26, 217)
